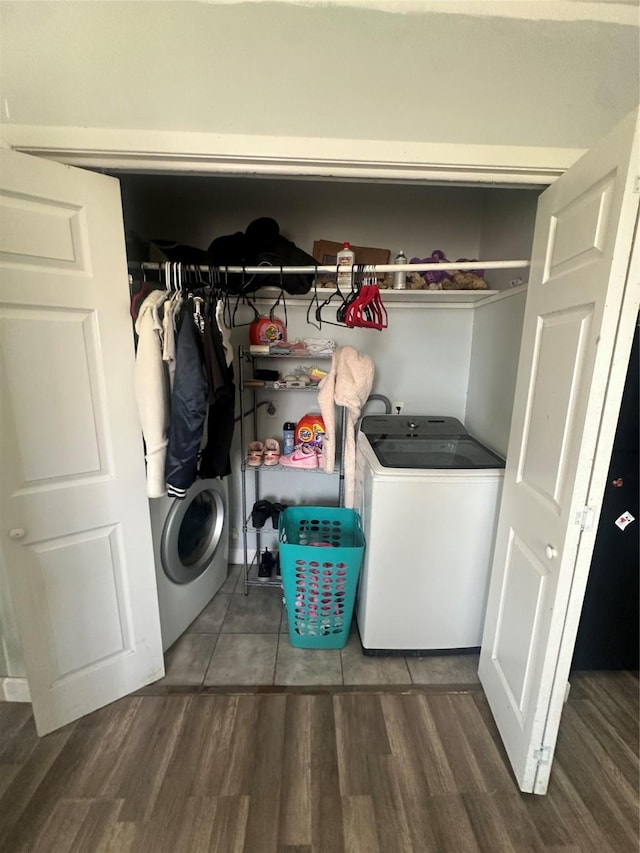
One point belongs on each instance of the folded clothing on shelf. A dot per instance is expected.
(319, 346)
(296, 347)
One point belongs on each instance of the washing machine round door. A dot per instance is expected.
(192, 532)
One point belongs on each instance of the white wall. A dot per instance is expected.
(10, 648)
(316, 71)
(508, 221)
(495, 349)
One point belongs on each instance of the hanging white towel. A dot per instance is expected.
(152, 391)
(347, 384)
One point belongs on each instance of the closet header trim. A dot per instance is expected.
(294, 157)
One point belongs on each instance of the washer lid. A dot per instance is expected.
(423, 451)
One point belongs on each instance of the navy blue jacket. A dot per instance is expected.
(188, 408)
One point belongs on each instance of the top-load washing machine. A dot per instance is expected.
(191, 546)
(428, 494)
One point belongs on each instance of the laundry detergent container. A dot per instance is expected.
(321, 550)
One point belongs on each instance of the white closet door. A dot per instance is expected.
(581, 307)
(75, 529)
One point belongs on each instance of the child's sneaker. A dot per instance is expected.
(302, 457)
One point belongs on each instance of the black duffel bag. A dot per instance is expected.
(261, 245)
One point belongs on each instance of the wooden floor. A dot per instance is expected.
(377, 772)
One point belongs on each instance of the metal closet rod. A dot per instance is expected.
(333, 268)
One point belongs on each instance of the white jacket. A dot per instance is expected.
(152, 391)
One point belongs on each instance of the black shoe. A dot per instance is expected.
(277, 572)
(276, 509)
(260, 513)
(267, 562)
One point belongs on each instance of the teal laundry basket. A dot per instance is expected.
(321, 551)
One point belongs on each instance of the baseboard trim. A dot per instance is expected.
(14, 690)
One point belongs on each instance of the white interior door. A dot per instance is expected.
(75, 529)
(581, 307)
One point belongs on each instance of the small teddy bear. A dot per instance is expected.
(414, 281)
(464, 281)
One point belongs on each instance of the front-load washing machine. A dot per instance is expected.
(191, 546)
(428, 495)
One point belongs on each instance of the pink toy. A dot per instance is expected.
(437, 276)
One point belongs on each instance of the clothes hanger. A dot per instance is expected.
(345, 312)
(371, 311)
(327, 301)
(215, 282)
(138, 297)
(220, 294)
(313, 301)
(367, 309)
(244, 298)
(226, 314)
(197, 302)
(203, 287)
(168, 273)
(281, 298)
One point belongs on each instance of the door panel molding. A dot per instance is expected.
(577, 233)
(519, 620)
(560, 351)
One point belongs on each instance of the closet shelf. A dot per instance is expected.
(250, 385)
(290, 469)
(292, 356)
(414, 297)
(390, 297)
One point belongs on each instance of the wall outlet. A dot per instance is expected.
(272, 409)
(396, 408)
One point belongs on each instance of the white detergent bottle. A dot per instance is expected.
(345, 259)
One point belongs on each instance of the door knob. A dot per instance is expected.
(551, 552)
(17, 533)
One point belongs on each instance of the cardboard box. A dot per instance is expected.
(325, 252)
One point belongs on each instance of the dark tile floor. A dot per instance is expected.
(243, 641)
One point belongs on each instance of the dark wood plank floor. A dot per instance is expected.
(383, 772)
